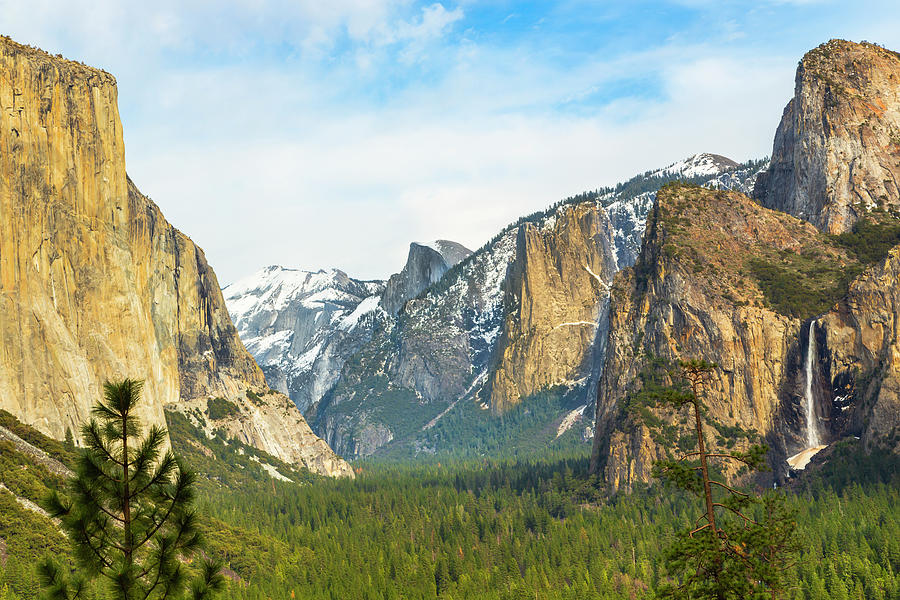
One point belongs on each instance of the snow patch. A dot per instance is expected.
(368, 305)
(799, 461)
(570, 419)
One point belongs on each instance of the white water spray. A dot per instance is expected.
(812, 429)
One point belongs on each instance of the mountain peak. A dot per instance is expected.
(836, 155)
(700, 165)
(426, 264)
(452, 252)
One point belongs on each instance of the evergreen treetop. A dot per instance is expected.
(128, 511)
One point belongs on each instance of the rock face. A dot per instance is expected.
(302, 326)
(836, 155)
(425, 265)
(860, 341)
(753, 290)
(523, 315)
(836, 160)
(692, 294)
(556, 290)
(94, 283)
(696, 291)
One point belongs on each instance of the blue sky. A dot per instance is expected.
(331, 133)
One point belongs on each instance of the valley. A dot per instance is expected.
(475, 424)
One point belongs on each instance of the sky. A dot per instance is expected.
(332, 133)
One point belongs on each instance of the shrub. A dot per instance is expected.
(802, 288)
(870, 240)
(220, 408)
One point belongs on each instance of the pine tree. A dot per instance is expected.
(741, 544)
(129, 511)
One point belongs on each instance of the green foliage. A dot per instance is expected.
(58, 450)
(24, 476)
(128, 512)
(220, 408)
(802, 286)
(254, 398)
(469, 431)
(495, 530)
(870, 240)
(735, 553)
(809, 283)
(228, 463)
(26, 537)
(507, 529)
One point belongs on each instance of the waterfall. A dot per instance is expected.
(812, 428)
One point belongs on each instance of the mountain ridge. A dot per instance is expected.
(438, 351)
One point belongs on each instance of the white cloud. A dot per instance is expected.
(352, 190)
(275, 132)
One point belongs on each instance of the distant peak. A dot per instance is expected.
(700, 165)
(452, 252)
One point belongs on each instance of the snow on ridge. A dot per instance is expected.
(698, 165)
(263, 346)
(452, 252)
(370, 304)
(274, 288)
(433, 244)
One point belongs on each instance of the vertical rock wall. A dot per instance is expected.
(94, 283)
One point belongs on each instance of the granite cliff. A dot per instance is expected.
(710, 283)
(524, 316)
(836, 155)
(802, 320)
(96, 285)
(425, 265)
(555, 293)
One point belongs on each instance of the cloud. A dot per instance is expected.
(318, 134)
(352, 189)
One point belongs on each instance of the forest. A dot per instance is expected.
(516, 528)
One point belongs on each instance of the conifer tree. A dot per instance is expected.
(742, 544)
(128, 511)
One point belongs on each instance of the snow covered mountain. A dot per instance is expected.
(371, 363)
(301, 325)
(520, 316)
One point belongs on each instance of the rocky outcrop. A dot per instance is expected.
(861, 357)
(694, 293)
(836, 155)
(270, 422)
(425, 265)
(556, 288)
(94, 283)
